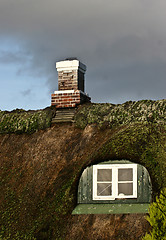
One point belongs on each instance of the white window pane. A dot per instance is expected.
(125, 174)
(125, 189)
(104, 189)
(104, 175)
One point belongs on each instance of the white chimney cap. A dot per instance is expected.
(68, 65)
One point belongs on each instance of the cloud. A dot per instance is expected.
(8, 57)
(123, 43)
(26, 93)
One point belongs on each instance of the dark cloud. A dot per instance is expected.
(123, 43)
(26, 93)
(8, 57)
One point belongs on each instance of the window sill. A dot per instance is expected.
(111, 208)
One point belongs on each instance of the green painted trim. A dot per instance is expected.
(123, 161)
(111, 208)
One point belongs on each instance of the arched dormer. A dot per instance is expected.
(114, 187)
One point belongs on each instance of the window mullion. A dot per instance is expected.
(135, 181)
(114, 182)
(95, 181)
(125, 181)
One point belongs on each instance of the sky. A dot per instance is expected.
(122, 43)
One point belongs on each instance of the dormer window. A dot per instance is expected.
(115, 186)
(112, 182)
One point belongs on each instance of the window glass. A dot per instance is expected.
(125, 189)
(104, 175)
(125, 174)
(104, 189)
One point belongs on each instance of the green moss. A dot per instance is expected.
(120, 114)
(10, 213)
(141, 143)
(20, 121)
(22, 219)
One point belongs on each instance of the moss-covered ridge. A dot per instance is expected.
(105, 115)
(21, 121)
(111, 115)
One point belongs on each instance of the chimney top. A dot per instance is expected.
(70, 64)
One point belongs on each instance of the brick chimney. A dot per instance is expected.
(70, 84)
